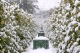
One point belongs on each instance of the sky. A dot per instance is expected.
(48, 4)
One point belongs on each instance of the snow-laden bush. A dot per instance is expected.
(64, 26)
(18, 30)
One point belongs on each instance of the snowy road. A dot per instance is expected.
(41, 50)
(41, 22)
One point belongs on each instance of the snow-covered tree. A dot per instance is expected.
(29, 5)
(64, 26)
(19, 29)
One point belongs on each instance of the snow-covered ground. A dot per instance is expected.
(41, 50)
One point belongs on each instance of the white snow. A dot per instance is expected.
(79, 24)
(48, 4)
(76, 28)
(76, 2)
(39, 21)
(75, 43)
(63, 46)
(78, 14)
(74, 11)
(72, 23)
(41, 38)
(76, 49)
(3, 0)
(78, 39)
(68, 7)
(67, 38)
(41, 50)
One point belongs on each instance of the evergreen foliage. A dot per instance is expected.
(19, 29)
(64, 26)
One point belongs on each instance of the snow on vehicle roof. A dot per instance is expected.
(41, 38)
